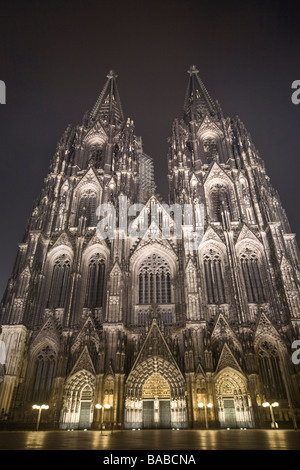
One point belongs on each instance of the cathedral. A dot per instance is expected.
(118, 316)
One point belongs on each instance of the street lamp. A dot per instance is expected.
(40, 408)
(271, 406)
(102, 407)
(209, 405)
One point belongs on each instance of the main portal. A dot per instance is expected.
(156, 403)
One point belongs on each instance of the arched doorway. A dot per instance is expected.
(155, 396)
(85, 408)
(234, 403)
(156, 402)
(77, 412)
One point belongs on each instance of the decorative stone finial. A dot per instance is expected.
(112, 74)
(193, 69)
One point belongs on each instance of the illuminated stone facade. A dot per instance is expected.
(147, 327)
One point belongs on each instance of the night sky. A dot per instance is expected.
(54, 58)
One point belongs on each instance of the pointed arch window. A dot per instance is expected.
(96, 282)
(23, 283)
(115, 281)
(210, 149)
(220, 201)
(87, 207)
(270, 372)
(191, 278)
(95, 154)
(43, 374)
(252, 278)
(59, 282)
(154, 281)
(214, 278)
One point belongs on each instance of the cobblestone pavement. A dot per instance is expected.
(151, 440)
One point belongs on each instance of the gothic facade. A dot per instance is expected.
(148, 331)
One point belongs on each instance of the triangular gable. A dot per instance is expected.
(150, 242)
(208, 125)
(63, 239)
(111, 183)
(221, 325)
(247, 233)
(223, 330)
(109, 372)
(200, 370)
(25, 272)
(84, 362)
(265, 328)
(284, 263)
(216, 171)
(144, 212)
(155, 345)
(95, 240)
(90, 177)
(116, 268)
(227, 359)
(96, 131)
(87, 329)
(190, 266)
(48, 333)
(194, 180)
(210, 235)
(153, 231)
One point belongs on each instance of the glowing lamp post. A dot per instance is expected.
(271, 406)
(209, 405)
(40, 408)
(102, 408)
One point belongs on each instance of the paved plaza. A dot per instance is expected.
(152, 440)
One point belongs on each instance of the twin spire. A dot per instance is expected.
(197, 102)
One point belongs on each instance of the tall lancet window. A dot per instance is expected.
(44, 368)
(210, 150)
(219, 202)
(23, 283)
(95, 155)
(95, 282)
(59, 282)
(87, 207)
(252, 277)
(214, 278)
(154, 281)
(270, 371)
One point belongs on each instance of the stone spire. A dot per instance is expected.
(108, 106)
(198, 102)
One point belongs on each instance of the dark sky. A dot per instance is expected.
(54, 58)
